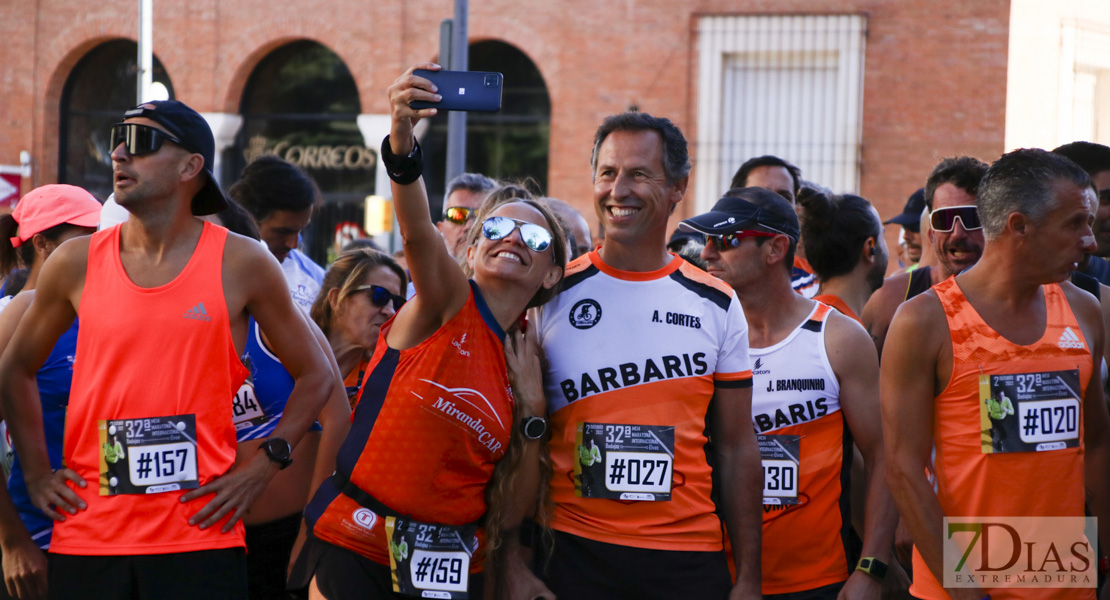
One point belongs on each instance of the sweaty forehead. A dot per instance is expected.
(947, 194)
(642, 148)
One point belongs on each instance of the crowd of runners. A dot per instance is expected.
(513, 406)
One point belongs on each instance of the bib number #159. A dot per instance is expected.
(1029, 412)
(148, 456)
(428, 560)
(781, 456)
(624, 462)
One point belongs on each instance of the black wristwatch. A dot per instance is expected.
(279, 451)
(533, 427)
(873, 567)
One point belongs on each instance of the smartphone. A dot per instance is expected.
(463, 90)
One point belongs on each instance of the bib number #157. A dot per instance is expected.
(1029, 412)
(624, 462)
(781, 456)
(148, 456)
(428, 560)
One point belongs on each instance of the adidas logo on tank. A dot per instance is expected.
(197, 313)
(1068, 339)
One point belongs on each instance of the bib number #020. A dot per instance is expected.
(1029, 412)
(428, 560)
(624, 462)
(148, 456)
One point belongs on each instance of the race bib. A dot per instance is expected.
(246, 411)
(148, 456)
(781, 456)
(1029, 412)
(430, 561)
(624, 462)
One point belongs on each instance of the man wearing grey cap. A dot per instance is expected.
(815, 384)
(163, 301)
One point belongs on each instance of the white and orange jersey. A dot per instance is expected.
(805, 449)
(633, 360)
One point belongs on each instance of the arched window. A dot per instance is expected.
(100, 88)
(301, 103)
(510, 144)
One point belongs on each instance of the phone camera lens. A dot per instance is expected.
(491, 80)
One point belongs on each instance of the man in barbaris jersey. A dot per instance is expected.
(815, 391)
(1010, 327)
(163, 302)
(647, 362)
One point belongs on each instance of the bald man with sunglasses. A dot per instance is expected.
(955, 235)
(163, 301)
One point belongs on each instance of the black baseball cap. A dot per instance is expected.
(734, 213)
(195, 135)
(911, 214)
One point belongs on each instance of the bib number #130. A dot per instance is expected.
(624, 462)
(428, 560)
(1029, 412)
(148, 456)
(781, 456)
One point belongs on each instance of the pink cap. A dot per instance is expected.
(50, 205)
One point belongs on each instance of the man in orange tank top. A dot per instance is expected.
(1009, 329)
(809, 403)
(163, 302)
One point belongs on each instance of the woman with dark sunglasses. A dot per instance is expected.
(361, 291)
(445, 444)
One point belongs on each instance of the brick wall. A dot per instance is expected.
(935, 73)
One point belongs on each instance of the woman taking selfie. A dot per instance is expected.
(416, 485)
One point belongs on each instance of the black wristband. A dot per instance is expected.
(402, 170)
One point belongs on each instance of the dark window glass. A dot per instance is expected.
(510, 144)
(99, 89)
(301, 103)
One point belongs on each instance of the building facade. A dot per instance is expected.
(864, 95)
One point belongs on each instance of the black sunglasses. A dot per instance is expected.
(380, 296)
(140, 139)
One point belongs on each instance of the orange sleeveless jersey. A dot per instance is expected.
(147, 352)
(430, 425)
(795, 392)
(970, 482)
(838, 304)
(644, 349)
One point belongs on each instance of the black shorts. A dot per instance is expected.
(206, 574)
(344, 575)
(827, 592)
(585, 569)
(268, 548)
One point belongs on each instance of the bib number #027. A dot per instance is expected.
(781, 456)
(148, 456)
(428, 560)
(624, 462)
(1029, 412)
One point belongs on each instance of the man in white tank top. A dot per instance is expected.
(815, 371)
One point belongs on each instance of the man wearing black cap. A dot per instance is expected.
(910, 220)
(647, 363)
(815, 372)
(163, 302)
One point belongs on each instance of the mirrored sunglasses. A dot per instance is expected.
(458, 214)
(380, 296)
(535, 237)
(944, 220)
(139, 139)
(721, 243)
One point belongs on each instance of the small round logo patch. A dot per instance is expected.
(585, 314)
(365, 517)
